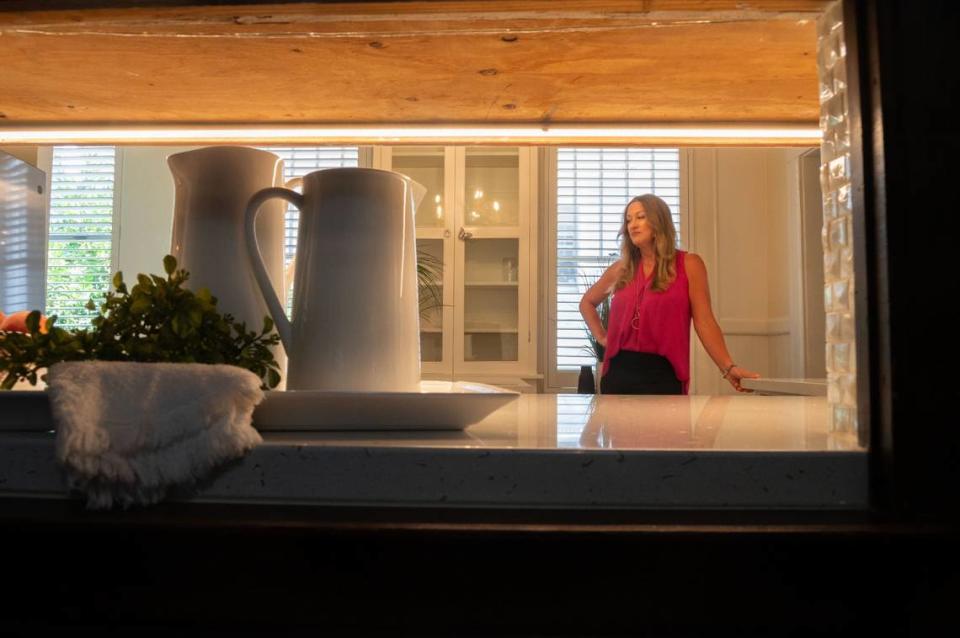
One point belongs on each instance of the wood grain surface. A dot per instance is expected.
(413, 62)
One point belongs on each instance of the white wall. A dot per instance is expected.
(784, 237)
(742, 218)
(145, 208)
(28, 154)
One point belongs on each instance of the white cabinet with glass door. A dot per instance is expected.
(478, 220)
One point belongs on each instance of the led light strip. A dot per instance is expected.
(801, 135)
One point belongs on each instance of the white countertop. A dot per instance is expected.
(801, 387)
(554, 422)
(539, 451)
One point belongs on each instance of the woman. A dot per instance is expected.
(657, 289)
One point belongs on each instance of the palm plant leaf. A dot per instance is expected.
(595, 349)
(429, 278)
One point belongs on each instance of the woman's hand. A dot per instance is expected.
(737, 373)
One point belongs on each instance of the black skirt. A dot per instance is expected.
(640, 373)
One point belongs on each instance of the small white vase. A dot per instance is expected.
(596, 375)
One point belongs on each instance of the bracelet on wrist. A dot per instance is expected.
(727, 371)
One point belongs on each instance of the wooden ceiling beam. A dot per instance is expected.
(511, 62)
(742, 7)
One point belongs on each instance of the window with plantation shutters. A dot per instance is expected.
(23, 235)
(297, 162)
(80, 248)
(593, 187)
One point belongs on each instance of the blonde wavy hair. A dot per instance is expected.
(664, 242)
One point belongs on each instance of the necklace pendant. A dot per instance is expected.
(635, 323)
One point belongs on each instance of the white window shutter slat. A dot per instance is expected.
(297, 162)
(593, 186)
(80, 247)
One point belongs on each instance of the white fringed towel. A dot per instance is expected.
(127, 432)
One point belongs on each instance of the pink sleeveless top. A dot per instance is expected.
(664, 326)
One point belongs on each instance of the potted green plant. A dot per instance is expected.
(595, 348)
(156, 320)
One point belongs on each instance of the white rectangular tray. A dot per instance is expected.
(440, 405)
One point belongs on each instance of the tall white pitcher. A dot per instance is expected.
(213, 186)
(356, 322)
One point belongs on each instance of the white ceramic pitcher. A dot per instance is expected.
(213, 186)
(356, 322)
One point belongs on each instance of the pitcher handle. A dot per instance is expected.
(256, 258)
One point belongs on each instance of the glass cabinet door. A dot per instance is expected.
(432, 167)
(426, 165)
(491, 186)
(473, 231)
(491, 253)
(490, 299)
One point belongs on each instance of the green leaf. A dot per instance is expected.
(33, 322)
(273, 378)
(144, 281)
(180, 326)
(169, 264)
(267, 325)
(140, 305)
(196, 317)
(118, 280)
